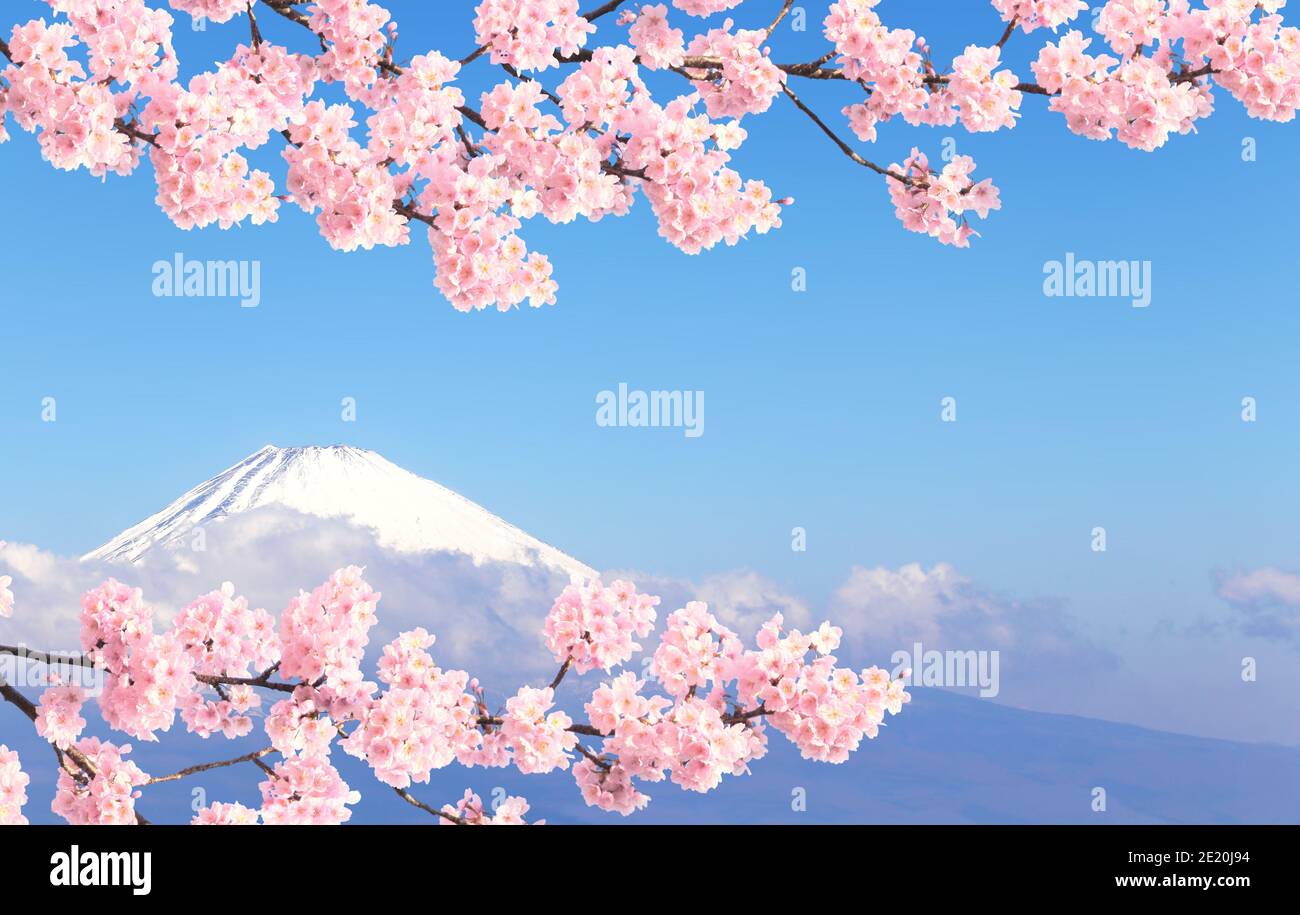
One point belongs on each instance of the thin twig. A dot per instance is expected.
(564, 669)
(416, 802)
(844, 147)
(204, 767)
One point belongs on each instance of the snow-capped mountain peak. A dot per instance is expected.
(406, 513)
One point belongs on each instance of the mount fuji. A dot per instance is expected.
(406, 514)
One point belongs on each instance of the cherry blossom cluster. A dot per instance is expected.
(705, 7)
(106, 797)
(331, 172)
(220, 814)
(99, 86)
(691, 649)
(202, 177)
(306, 790)
(1134, 102)
(710, 720)
(48, 94)
(300, 725)
(527, 34)
(225, 638)
(984, 97)
(1039, 14)
(354, 37)
(13, 788)
(690, 741)
(538, 739)
(126, 41)
(658, 45)
(747, 81)
(423, 722)
(421, 112)
(1259, 64)
(469, 811)
(823, 709)
(685, 738)
(214, 10)
(58, 716)
(887, 60)
(592, 626)
(323, 636)
(894, 65)
(703, 733)
(697, 198)
(936, 204)
(146, 673)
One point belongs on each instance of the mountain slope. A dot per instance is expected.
(406, 513)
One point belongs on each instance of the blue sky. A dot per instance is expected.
(822, 407)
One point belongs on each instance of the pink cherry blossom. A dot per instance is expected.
(215, 10)
(705, 7)
(306, 790)
(538, 741)
(58, 715)
(657, 44)
(106, 797)
(1037, 14)
(323, 636)
(13, 788)
(702, 714)
(527, 34)
(575, 132)
(937, 204)
(424, 721)
(219, 814)
(469, 811)
(147, 674)
(593, 626)
(747, 81)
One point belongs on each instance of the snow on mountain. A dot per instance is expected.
(406, 513)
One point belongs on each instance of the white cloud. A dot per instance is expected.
(1268, 600)
(742, 599)
(891, 609)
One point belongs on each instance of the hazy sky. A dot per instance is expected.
(822, 407)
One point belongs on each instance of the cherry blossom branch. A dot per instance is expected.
(204, 767)
(843, 146)
(595, 760)
(416, 802)
(28, 708)
(785, 10)
(1010, 30)
(591, 16)
(46, 657)
(564, 669)
(263, 681)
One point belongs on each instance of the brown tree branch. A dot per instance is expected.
(204, 767)
(564, 669)
(844, 147)
(433, 811)
(785, 10)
